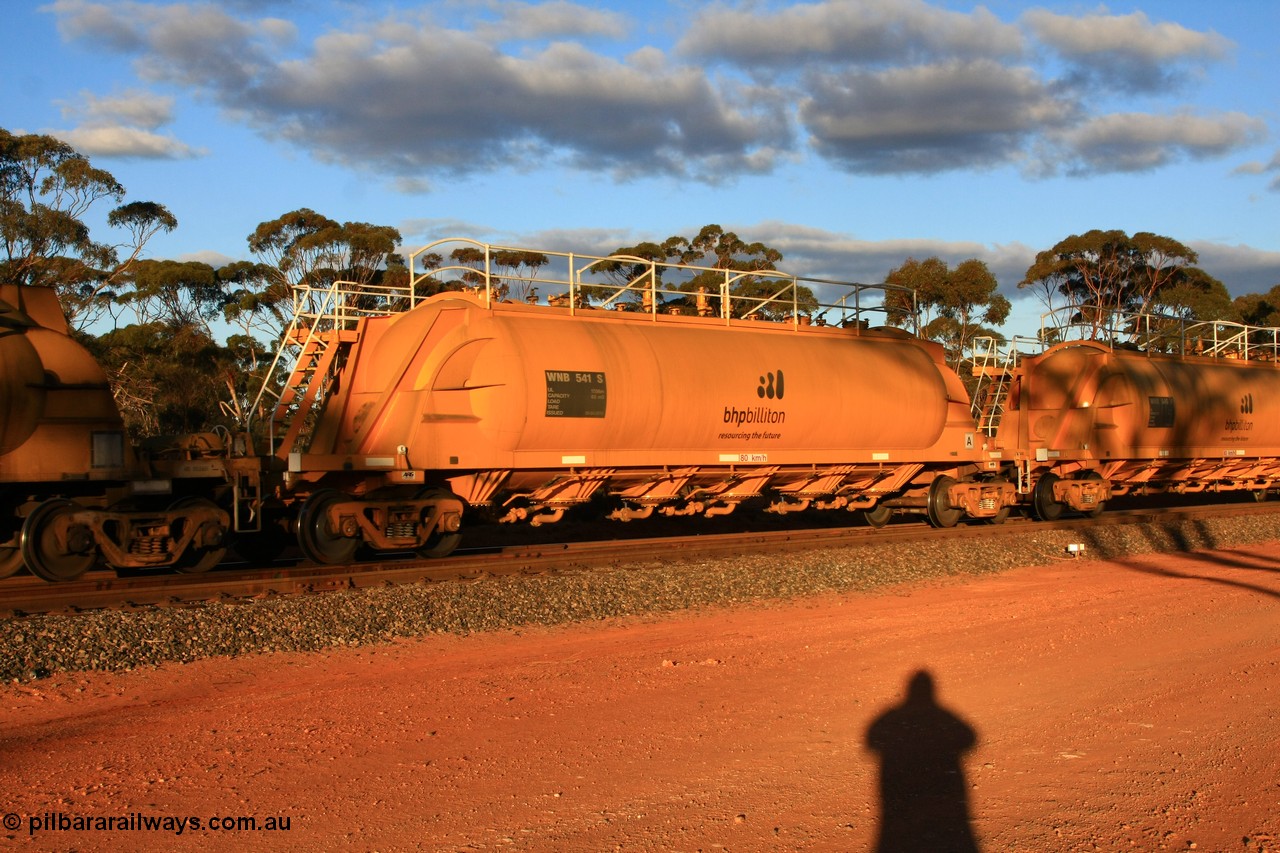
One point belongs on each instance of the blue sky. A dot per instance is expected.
(849, 135)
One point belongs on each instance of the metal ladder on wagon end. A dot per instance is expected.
(993, 369)
(312, 374)
(322, 327)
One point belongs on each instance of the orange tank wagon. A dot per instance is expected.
(1087, 420)
(688, 404)
(73, 491)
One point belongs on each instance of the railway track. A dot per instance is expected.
(25, 596)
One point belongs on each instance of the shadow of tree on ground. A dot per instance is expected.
(1197, 542)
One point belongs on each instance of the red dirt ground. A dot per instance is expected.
(1081, 706)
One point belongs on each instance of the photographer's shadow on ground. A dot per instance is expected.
(924, 797)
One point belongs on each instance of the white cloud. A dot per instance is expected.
(124, 126)
(929, 118)
(109, 24)
(1133, 142)
(409, 185)
(1126, 51)
(822, 253)
(878, 86)
(134, 108)
(555, 19)
(858, 33)
(1257, 167)
(414, 100)
(207, 256)
(125, 142)
(1243, 269)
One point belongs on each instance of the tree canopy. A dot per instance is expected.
(46, 190)
(1100, 275)
(168, 377)
(511, 271)
(952, 306)
(720, 252)
(305, 248)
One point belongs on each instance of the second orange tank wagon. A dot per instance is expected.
(1192, 412)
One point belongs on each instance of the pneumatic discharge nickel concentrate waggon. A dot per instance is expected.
(519, 390)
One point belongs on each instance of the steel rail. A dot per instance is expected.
(25, 596)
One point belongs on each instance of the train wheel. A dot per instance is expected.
(1101, 505)
(439, 544)
(196, 559)
(316, 539)
(10, 560)
(940, 511)
(878, 516)
(45, 556)
(1042, 502)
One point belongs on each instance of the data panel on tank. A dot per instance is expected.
(1162, 412)
(575, 394)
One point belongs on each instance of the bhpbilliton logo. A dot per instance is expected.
(771, 386)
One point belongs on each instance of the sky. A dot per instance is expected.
(850, 135)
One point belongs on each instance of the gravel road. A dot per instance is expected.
(1128, 704)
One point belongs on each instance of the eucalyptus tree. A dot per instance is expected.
(305, 249)
(1102, 275)
(167, 376)
(951, 306)
(301, 256)
(47, 189)
(724, 257)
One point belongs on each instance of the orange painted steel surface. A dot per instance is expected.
(21, 382)
(1088, 401)
(671, 388)
(1146, 420)
(61, 421)
(460, 386)
(74, 491)
(391, 418)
